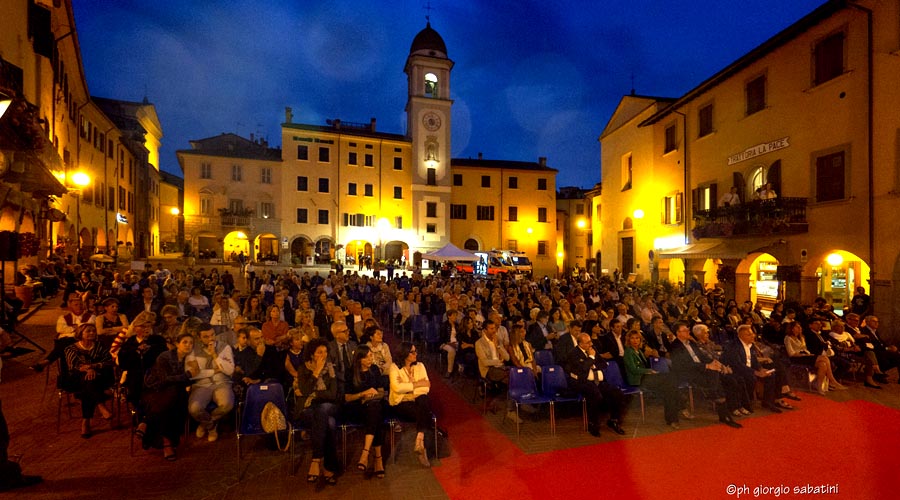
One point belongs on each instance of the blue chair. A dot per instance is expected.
(662, 365)
(544, 357)
(251, 423)
(523, 390)
(612, 375)
(555, 386)
(419, 325)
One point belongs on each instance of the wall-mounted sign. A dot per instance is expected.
(120, 218)
(758, 150)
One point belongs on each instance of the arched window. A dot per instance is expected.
(431, 85)
(471, 244)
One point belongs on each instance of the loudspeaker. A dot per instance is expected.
(9, 246)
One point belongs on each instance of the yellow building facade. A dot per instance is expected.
(350, 193)
(800, 127)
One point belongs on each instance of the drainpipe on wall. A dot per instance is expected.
(687, 181)
(871, 141)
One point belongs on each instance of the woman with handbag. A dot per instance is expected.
(316, 392)
(364, 397)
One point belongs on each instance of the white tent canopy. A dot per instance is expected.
(451, 252)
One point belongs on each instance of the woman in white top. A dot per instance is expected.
(409, 394)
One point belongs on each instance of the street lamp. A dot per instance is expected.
(81, 180)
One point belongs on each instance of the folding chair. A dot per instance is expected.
(251, 425)
(523, 390)
(555, 386)
(612, 375)
(544, 357)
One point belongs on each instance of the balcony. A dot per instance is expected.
(756, 218)
(239, 218)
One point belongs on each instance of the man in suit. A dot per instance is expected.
(887, 355)
(585, 376)
(340, 352)
(567, 342)
(743, 358)
(692, 365)
(657, 336)
(539, 335)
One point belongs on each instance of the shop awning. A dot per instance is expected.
(731, 249)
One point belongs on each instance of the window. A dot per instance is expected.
(351, 158)
(205, 205)
(302, 183)
(485, 181)
(542, 214)
(513, 183)
(398, 193)
(302, 216)
(485, 212)
(671, 138)
(121, 198)
(542, 248)
(323, 184)
(431, 228)
(398, 222)
(358, 220)
(324, 154)
(756, 94)
(236, 207)
(457, 180)
(323, 216)
(513, 214)
(111, 199)
(705, 120)
(432, 177)
(671, 210)
(367, 190)
(398, 163)
(431, 209)
(431, 85)
(369, 160)
(542, 184)
(513, 245)
(266, 175)
(351, 189)
(458, 212)
(705, 197)
(579, 209)
(205, 171)
(237, 173)
(828, 58)
(266, 210)
(302, 152)
(830, 178)
(627, 169)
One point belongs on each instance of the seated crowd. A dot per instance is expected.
(188, 343)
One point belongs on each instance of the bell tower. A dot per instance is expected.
(428, 127)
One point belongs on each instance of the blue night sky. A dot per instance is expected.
(531, 78)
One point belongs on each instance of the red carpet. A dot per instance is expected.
(850, 447)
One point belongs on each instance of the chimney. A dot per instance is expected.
(542, 161)
(336, 123)
(372, 125)
(480, 156)
(288, 115)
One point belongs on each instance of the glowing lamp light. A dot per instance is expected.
(559, 254)
(639, 214)
(174, 211)
(529, 230)
(834, 259)
(81, 179)
(581, 223)
(241, 235)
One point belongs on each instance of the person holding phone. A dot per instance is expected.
(214, 362)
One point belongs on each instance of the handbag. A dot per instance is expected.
(273, 421)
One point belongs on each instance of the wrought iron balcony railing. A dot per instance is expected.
(758, 217)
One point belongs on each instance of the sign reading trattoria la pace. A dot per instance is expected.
(758, 150)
